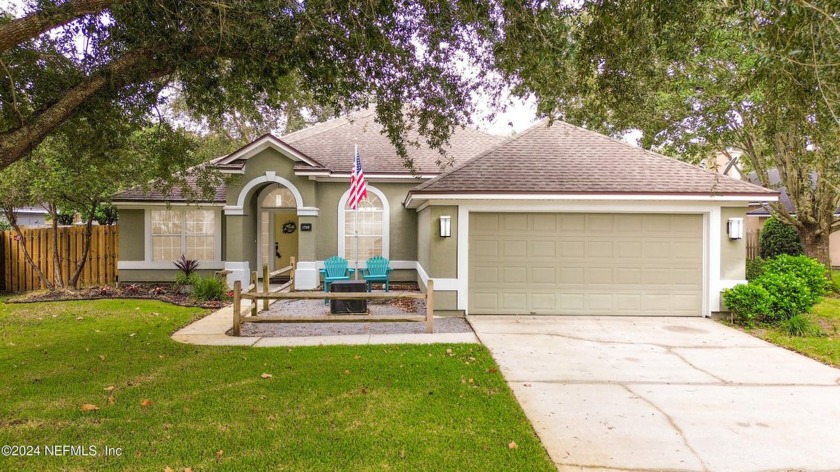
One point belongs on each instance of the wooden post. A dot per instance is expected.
(265, 285)
(430, 306)
(256, 290)
(292, 263)
(237, 314)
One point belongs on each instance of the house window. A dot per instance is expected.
(368, 223)
(189, 232)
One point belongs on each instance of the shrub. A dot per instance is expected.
(209, 288)
(800, 326)
(186, 266)
(182, 279)
(789, 295)
(811, 272)
(755, 268)
(748, 303)
(779, 238)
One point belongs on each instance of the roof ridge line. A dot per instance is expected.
(330, 124)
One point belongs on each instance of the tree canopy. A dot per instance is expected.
(698, 77)
(66, 59)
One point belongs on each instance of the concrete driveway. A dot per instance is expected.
(632, 393)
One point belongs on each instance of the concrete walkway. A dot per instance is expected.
(666, 394)
(210, 331)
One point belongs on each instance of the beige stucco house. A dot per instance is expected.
(556, 220)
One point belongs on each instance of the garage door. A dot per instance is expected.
(585, 264)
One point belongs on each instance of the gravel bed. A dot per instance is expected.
(317, 307)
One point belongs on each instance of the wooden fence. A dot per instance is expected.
(753, 248)
(16, 275)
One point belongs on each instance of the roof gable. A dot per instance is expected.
(266, 141)
(332, 143)
(566, 159)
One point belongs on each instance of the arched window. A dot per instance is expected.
(369, 222)
(280, 197)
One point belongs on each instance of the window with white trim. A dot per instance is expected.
(367, 223)
(190, 232)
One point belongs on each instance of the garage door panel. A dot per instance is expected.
(544, 223)
(573, 249)
(515, 248)
(600, 249)
(543, 249)
(487, 275)
(596, 264)
(515, 275)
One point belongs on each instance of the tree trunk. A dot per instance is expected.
(815, 244)
(12, 217)
(74, 280)
(58, 279)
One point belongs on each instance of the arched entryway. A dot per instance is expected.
(278, 227)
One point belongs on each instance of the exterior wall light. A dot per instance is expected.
(445, 226)
(735, 228)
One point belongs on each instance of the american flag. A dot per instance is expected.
(358, 189)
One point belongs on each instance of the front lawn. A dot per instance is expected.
(165, 404)
(825, 349)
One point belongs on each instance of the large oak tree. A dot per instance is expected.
(63, 59)
(698, 77)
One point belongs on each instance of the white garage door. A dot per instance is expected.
(585, 264)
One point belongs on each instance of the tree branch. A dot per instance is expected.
(16, 142)
(35, 24)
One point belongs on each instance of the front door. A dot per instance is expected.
(285, 238)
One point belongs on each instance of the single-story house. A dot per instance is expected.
(555, 220)
(29, 216)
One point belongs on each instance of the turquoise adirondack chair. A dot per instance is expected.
(378, 270)
(335, 268)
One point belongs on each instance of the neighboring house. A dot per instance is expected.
(30, 216)
(760, 213)
(557, 220)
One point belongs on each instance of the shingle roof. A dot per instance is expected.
(332, 143)
(565, 159)
(177, 194)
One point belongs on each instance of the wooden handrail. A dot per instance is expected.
(238, 296)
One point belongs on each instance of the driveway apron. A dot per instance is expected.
(636, 393)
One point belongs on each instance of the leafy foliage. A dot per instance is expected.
(779, 238)
(748, 303)
(789, 295)
(186, 266)
(800, 326)
(246, 56)
(698, 78)
(809, 271)
(209, 288)
(755, 268)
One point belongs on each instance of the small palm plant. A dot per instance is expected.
(187, 268)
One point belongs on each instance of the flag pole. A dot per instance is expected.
(355, 227)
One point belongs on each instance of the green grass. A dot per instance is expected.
(325, 408)
(823, 348)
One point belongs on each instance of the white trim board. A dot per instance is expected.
(413, 201)
(266, 142)
(269, 177)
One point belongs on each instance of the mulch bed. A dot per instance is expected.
(163, 292)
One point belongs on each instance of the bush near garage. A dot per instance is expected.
(787, 286)
(810, 271)
(779, 238)
(748, 303)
